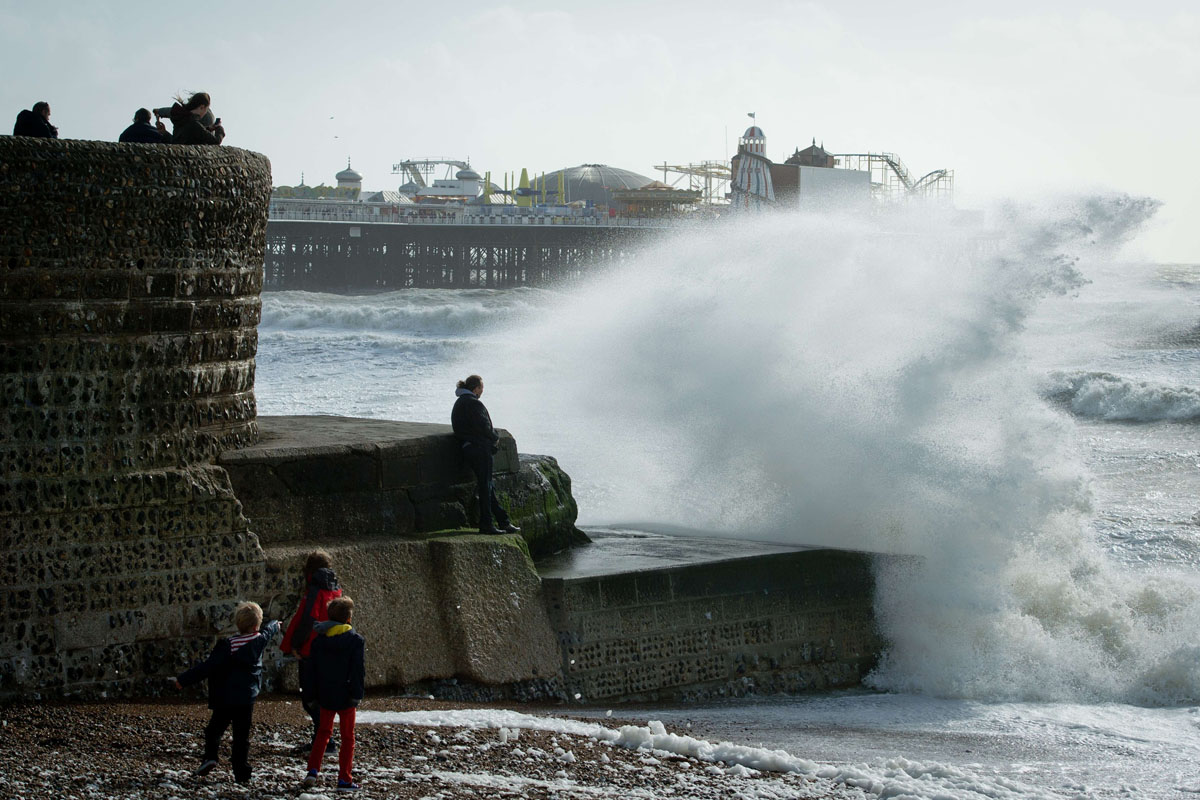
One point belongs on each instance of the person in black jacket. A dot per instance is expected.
(233, 670)
(192, 122)
(473, 429)
(36, 122)
(141, 131)
(339, 671)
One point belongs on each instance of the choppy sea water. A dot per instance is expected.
(1026, 415)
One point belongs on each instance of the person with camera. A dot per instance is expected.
(141, 131)
(473, 429)
(192, 122)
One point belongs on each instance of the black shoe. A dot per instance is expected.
(491, 531)
(510, 528)
(206, 767)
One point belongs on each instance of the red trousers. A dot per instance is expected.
(324, 731)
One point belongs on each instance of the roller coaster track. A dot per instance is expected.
(892, 161)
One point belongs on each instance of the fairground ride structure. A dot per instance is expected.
(710, 178)
(892, 180)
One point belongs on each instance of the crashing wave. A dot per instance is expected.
(1103, 396)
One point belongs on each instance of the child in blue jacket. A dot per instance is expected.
(234, 671)
(339, 676)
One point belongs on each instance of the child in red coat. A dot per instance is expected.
(320, 588)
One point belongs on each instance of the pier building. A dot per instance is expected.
(471, 229)
(809, 179)
(462, 230)
(815, 179)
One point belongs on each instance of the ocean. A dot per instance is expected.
(1019, 407)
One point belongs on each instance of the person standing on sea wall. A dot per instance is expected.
(477, 438)
(192, 122)
(35, 122)
(141, 131)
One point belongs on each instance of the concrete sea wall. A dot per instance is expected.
(783, 622)
(380, 496)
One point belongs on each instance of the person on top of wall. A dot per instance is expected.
(192, 122)
(320, 589)
(35, 122)
(141, 131)
(473, 429)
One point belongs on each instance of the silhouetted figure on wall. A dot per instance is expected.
(36, 122)
(193, 122)
(141, 131)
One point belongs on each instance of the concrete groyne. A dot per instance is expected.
(142, 496)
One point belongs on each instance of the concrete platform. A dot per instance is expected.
(618, 550)
(648, 616)
(326, 480)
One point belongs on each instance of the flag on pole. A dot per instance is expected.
(751, 115)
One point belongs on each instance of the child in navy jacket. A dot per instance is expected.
(338, 669)
(234, 671)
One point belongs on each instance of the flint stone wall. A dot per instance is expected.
(129, 300)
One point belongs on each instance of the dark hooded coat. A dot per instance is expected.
(31, 124)
(188, 129)
(338, 663)
(233, 669)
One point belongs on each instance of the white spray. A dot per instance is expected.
(858, 383)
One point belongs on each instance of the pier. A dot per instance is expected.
(463, 251)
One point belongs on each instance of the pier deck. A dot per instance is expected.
(354, 256)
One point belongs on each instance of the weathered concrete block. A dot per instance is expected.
(778, 622)
(492, 597)
(324, 478)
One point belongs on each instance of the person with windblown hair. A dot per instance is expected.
(473, 429)
(192, 121)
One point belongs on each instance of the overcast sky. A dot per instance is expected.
(1019, 98)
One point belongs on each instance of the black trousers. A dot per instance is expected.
(479, 459)
(240, 717)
